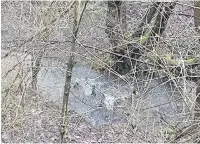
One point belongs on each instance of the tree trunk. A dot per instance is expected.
(70, 65)
(116, 26)
(68, 76)
(113, 22)
(37, 56)
(197, 105)
(147, 19)
(161, 20)
(36, 68)
(197, 16)
(197, 27)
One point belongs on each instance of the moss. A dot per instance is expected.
(170, 133)
(144, 38)
(169, 60)
(128, 36)
(192, 60)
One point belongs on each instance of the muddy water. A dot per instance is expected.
(101, 98)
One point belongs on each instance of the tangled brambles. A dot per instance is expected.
(102, 63)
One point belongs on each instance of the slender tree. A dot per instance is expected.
(70, 65)
(197, 16)
(197, 27)
(197, 105)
